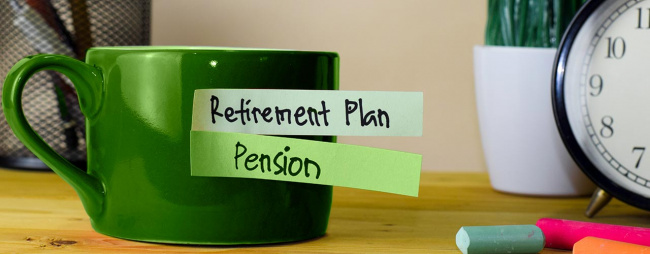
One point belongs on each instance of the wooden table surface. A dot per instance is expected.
(40, 213)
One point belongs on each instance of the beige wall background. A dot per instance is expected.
(389, 45)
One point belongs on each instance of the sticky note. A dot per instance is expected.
(500, 239)
(563, 234)
(308, 112)
(225, 154)
(594, 245)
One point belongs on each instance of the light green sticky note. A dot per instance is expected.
(308, 112)
(225, 154)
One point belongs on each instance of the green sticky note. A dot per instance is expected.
(308, 112)
(225, 154)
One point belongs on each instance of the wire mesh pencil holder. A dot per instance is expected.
(67, 27)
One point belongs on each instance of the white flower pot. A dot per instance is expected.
(523, 149)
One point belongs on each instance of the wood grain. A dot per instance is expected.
(41, 213)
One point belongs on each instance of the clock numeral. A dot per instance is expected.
(607, 131)
(642, 150)
(615, 47)
(596, 84)
(642, 17)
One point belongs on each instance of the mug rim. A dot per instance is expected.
(204, 48)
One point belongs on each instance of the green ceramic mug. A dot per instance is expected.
(138, 107)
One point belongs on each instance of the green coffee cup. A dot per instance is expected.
(138, 107)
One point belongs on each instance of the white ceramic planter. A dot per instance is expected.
(522, 147)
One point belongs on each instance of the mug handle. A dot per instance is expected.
(89, 84)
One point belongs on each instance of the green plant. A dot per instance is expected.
(529, 23)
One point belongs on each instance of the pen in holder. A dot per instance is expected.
(66, 27)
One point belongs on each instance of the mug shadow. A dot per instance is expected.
(235, 246)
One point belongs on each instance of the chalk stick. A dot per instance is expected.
(500, 239)
(593, 245)
(563, 234)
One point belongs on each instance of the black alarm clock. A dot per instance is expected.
(601, 98)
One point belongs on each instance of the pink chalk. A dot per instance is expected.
(562, 234)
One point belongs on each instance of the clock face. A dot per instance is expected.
(602, 96)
